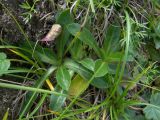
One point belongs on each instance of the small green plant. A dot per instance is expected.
(30, 10)
(4, 63)
(152, 110)
(65, 75)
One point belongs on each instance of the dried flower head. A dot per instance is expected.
(53, 33)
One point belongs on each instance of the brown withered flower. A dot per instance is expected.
(53, 33)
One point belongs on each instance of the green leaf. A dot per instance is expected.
(63, 78)
(4, 63)
(41, 54)
(153, 111)
(78, 86)
(3, 56)
(56, 101)
(153, 52)
(132, 115)
(77, 50)
(99, 82)
(25, 5)
(101, 68)
(64, 18)
(5, 117)
(46, 55)
(39, 104)
(32, 97)
(111, 41)
(78, 68)
(88, 63)
(92, 6)
(84, 35)
(117, 57)
(157, 43)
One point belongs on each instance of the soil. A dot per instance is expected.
(7, 96)
(35, 29)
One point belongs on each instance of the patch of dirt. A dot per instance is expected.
(7, 97)
(35, 29)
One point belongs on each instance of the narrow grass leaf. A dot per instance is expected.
(5, 117)
(92, 6)
(23, 56)
(17, 23)
(32, 89)
(38, 84)
(39, 104)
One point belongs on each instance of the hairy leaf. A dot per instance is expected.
(153, 111)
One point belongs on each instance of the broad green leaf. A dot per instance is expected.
(86, 74)
(88, 63)
(3, 56)
(132, 115)
(115, 57)
(77, 51)
(78, 68)
(46, 55)
(152, 112)
(153, 52)
(63, 78)
(64, 18)
(56, 102)
(4, 63)
(41, 54)
(84, 35)
(111, 41)
(157, 43)
(78, 85)
(101, 68)
(100, 82)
